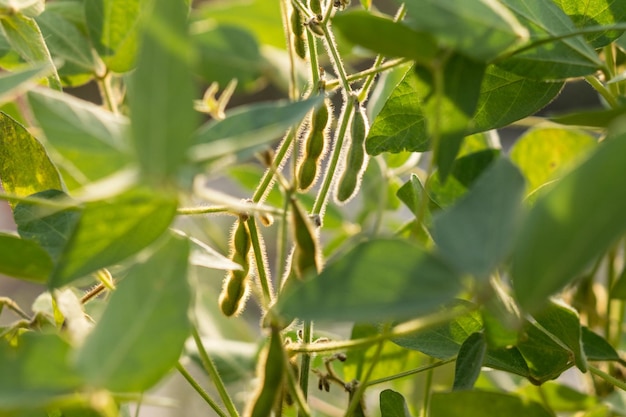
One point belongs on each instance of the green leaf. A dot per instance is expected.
(13, 83)
(545, 357)
(24, 36)
(586, 13)
(505, 98)
(444, 194)
(483, 404)
(111, 230)
(112, 26)
(50, 228)
(591, 118)
(563, 322)
(449, 111)
(392, 39)
(233, 360)
(39, 370)
(501, 318)
(544, 153)
(247, 127)
(141, 333)
(469, 362)
(487, 218)
(227, 52)
(618, 290)
(597, 348)
(376, 280)
(23, 258)
(480, 30)
(467, 168)
(400, 124)
(571, 225)
(162, 116)
(89, 138)
(393, 404)
(556, 60)
(25, 167)
(412, 193)
(67, 43)
(559, 397)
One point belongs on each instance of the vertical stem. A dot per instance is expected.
(268, 177)
(336, 59)
(363, 384)
(305, 361)
(284, 10)
(106, 91)
(260, 261)
(602, 90)
(427, 391)
(209, 366)
(212, 403)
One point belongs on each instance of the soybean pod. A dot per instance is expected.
(314, 148)
(271, 372)
(297, 31)
(236, 286)
(306, 253)
(356, 158)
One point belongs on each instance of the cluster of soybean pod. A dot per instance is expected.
(342, 178)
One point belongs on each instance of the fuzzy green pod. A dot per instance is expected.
(297, 31)
(314, 148)
(315, 27)
(356, 160)
(315, 6)
(236, 287)
(306, 253)
(271, 372)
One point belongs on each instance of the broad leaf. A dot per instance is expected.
(412, 194)
(376, 280)
(598, 12)
(571, 225)
(483, 404)
(393, 39)
(480, 30)
(560, 397)
(91, 139)
(393, 404)
(469, 362)
(13, 83)
(140, 335)
(247, 127)
(162, 116)
(590, 118)
(557, 60)
(25, 167)
(400, 124)
(506, 97)
(597, 348)
(39, 370)
(24, 36)
(487, 217)
(111, 230)
(21, 258)
(112, 26)
(544, 153)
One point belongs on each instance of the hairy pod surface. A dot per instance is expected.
(314, 148)
(306, 253)
(236, 287)
(356, 158)
(315, 6)
(297, 30)
(271, 371)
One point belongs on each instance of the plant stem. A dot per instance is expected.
(305, 360)
(332, 84)
(428, 385)
(602, 90)
(13, 306)
(336, 59)
(106, 91)
(608, 378)
(303, 407)
(260, 261)
(268, 177)
(356, 398)
(205, 396)
(411, 372)
(209, 366)
(284, 11)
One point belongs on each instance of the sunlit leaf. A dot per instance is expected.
(393, 404)
(469, 362)
(591, 13)
(483, 404)
(23, 258)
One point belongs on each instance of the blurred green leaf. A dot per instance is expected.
(392, 39)
(597, 348)
(35, 371)
(487, 217)
(571, 225)
(469, 167)
(590, 118)
(469, 362)
(162, 116)
(592, 13)
(559, 397)
(376, 280)
(111, 230)
(483, 404)
(227, 52)
(400, 124)
(393, 404)
(21, 258)
(506, 97)
(24, 36)
(247, 127)
(25, 167)
(444, 194)
(557, 60)
(233, 360)
(480, 30)
(89, 138)
(112, 26)
(412, 193)
(13, 83)
(140, 335)
(544, 153)
(29, 8)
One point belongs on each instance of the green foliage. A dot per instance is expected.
(471, 275)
